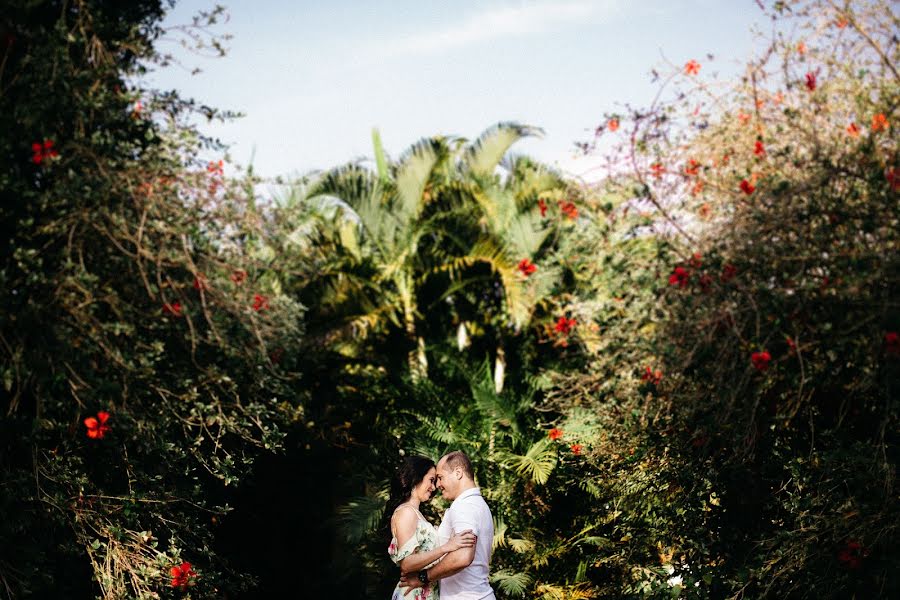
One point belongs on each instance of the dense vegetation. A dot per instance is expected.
(681, 381)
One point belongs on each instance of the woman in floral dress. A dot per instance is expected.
(414, 545)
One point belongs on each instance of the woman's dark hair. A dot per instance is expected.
(409, 474)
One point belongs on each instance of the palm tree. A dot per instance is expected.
(379, 218)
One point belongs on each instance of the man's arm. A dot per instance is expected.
(452, 564)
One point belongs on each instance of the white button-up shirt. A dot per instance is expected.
(469, 511)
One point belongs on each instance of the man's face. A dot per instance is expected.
(448, 481)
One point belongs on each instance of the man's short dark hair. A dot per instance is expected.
(458, 458)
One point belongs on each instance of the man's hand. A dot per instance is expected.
(409, 581)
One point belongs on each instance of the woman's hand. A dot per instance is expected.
(463, 539)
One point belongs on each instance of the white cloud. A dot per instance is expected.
(498, 22)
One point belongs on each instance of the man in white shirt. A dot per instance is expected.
(464, 573)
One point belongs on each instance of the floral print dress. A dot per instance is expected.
(424, 540)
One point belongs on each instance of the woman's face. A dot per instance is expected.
(425, 489)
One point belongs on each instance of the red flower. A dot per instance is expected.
(879, 122)
(691, 67)
(791, 344)
(747, 187)
(576, 449)
(761, 360)
(759, 150)
(173, 308)
(728, 272)
(841, 22)
(569, 209)
(96, 426)
(692, 168)
(852, 554)
(696, 260)
(260, 302)
(612, 124)
(527, 267)
(698, 187)
(182, 575)
(238, 276)
(564, 325)
(215, 168)
(555, 434)
(893, 177)
(853, 130)
(652, 376)
(811, 81)
(41, 152)
(801, 48)
(543, 206)
(657, 170)
(744, 118)
(892, 342)
(680, 277)
(200, 282)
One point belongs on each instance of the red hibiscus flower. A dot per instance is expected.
(680, 277)
(260, 302)
(747, 187)
(576, 449)
(811, 81)
(728, 272)
(652, 376)
(555, 434)
(892, 342)
(853, 130)
(852, 555)
(759, 150)
(215, 168)
(691, 67)
(657, 169)
(761, 360)
(696, 260)
(698, 187)
(200, 282)
(564, 325)
(569, 209)
(41, 152)
(238, 276)
(612, 124)
(96, 426)
(543, 206)
(692, 168)
(182, 576)
(893, 178)
(526, 267)
(173, 308)
(879, 123)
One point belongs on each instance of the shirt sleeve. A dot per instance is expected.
(464, 516)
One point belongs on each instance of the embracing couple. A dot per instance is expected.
(455, 556)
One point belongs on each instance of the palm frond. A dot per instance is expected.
(482, 156)
(413, 173)
(538, 463)
(511, 584)
(359, 517)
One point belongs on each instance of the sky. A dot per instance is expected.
(314, 77)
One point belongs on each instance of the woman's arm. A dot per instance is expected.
(419, 560)
(404, 525)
